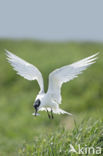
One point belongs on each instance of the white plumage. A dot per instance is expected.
(25, 69)
(50, 100)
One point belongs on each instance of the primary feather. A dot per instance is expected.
(65, 74)
(25, 69)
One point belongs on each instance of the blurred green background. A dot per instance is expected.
(83, 96)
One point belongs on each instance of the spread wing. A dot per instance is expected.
(65, 74)
(25, 69)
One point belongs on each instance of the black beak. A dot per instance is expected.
(36, 109)
(36, 106)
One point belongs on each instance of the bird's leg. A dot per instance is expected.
(48, 114)
(52, 114)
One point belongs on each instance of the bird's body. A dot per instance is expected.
(51, 100)
(48, 103)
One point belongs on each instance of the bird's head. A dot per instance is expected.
(36, 105)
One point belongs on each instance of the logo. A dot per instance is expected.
(85, 149)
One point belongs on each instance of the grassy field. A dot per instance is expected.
(23, 134)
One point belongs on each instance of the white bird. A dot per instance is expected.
(49, 101)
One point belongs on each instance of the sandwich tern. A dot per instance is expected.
(50, 100)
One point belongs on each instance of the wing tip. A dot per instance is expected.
(97, 53)
(93, 58)
(8, 53)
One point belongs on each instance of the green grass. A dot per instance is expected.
(20, 132)
(87, 134)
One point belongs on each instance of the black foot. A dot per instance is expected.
(52, 114)
(48, 114)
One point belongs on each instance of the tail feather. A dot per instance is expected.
(61, 111)
(56, 111)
